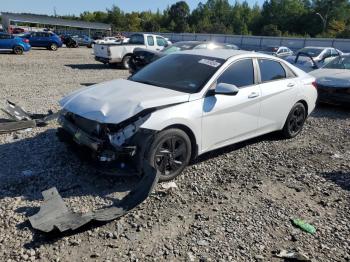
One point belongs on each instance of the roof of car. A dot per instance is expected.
(216, 53)
(317, 47)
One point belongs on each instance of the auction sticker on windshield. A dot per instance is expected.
(212, 63)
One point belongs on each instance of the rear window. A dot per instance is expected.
(271, 70)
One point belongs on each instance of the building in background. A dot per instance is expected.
(31, 22)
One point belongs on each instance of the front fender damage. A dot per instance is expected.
(55, 214)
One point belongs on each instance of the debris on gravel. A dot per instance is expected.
(232, 204)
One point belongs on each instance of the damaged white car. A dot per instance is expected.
(186, 104)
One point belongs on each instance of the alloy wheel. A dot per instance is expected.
(170, 155)
(296, 120)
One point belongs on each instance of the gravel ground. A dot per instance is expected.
(233, 204)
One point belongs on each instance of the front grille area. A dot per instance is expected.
(88, 126)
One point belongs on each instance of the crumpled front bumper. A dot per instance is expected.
(99, 149)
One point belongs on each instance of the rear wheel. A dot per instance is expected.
(170, 153)
(18, 50)
(295, 121)
(53, 47)
(125, 61)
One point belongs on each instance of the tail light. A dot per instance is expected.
(314, 84)
(25, 40)
(108, 51)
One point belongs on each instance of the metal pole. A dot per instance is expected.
(324, 22)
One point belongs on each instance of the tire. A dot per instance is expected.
(125, 62)
(18, 50)
(295, 121)
(53, 47)
(162, 153)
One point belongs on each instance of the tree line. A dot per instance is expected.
(306, 18)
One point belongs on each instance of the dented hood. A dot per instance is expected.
(115, 101)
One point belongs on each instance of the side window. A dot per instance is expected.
(137, 40)
(150, 40)
(161, 41)
(271, 70)
(240, 74)
(4, 36)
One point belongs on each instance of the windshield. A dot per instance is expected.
(180, 72)
(313, 52)
(177, 47)
(342, 62)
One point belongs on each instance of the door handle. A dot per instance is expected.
(253, 95)
(291, 85)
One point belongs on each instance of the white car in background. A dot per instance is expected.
(186, 104)
(111, 40)
(312, 57)
(279, 51)
(121, 53)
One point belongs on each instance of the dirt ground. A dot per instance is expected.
(234, 204)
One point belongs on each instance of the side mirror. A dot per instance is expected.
(226, 89)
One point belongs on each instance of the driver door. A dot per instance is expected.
(228, 119)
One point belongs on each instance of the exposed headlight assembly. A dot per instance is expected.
(118, 139)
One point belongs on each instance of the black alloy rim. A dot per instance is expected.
(171, 155)
(297, 120)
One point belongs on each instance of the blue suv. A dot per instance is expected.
(13, 43)
(48, 40)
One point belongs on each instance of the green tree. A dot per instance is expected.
(178, 17)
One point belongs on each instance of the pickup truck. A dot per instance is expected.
(120, 53)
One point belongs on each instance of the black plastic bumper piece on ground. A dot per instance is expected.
(20, 119)
(55, 214)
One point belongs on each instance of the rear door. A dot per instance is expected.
(6, 41)
(228, 119)
(278, 85)
(36, 39)
(47, 39)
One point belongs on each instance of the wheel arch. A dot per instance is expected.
(127, 54)
(302, 101)
(190, 133)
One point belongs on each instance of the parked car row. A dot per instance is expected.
(20, 43)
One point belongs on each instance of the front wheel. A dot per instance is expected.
(53, 47)
(295, 121)
(169, 153)
(18, 50)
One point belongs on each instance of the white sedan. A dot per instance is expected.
(186, 104)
